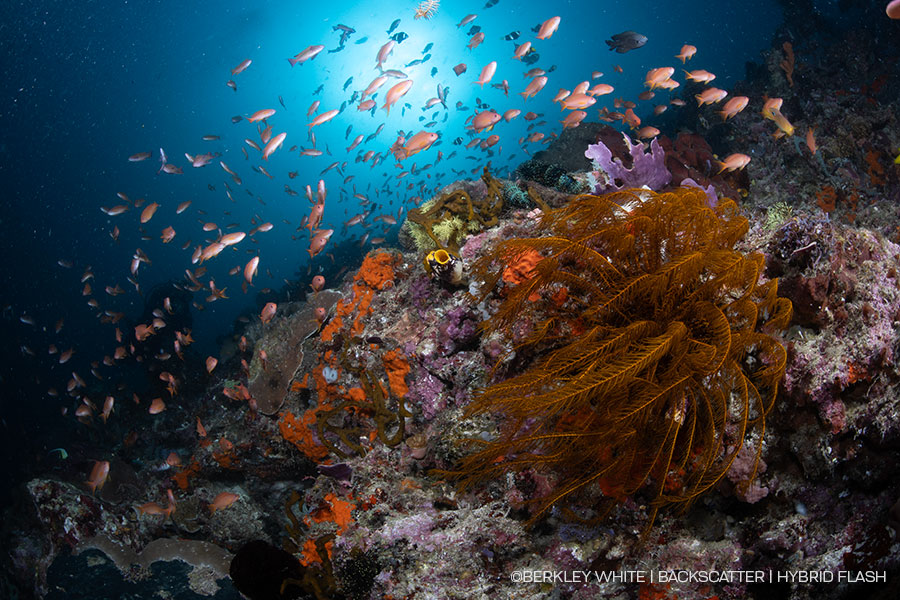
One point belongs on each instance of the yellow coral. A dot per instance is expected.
(448, 228)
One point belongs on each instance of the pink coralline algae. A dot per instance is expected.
(852, 298)
(459, 329)
(428, 393)
(742, 469)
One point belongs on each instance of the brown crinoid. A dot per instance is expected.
(653, 360)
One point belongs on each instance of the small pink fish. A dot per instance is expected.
(273, 145)
(268, 312)
(241, 67)
(318, 241)
(310, 53)
(548, 28)
(487, 73)
(476, 40)
(324, 117)
(261, 115)
(395, 93)
(223, 501)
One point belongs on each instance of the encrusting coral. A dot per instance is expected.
(654, 364)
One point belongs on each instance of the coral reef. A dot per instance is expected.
(394, 384)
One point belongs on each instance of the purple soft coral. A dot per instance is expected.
(647, 169)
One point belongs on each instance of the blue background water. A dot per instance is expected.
(86, 84)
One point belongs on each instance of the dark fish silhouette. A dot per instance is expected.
(347, 83)
(491, 3)
(399, 37)
(237, 119)
(531, 58)
(514, 35)
(433, 71)
(281, 101)
(473, 30)
(457, 141)
(345, 32)
(319, 89)
(625, 41)
(428, 47)
(362, 40)
(394, 26)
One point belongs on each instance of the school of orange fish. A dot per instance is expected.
(223, 242)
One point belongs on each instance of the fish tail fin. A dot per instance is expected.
(293, 61)
(611, 44)
(722, 167)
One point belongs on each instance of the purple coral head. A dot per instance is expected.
(647, 169)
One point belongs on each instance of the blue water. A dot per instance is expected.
(87, 84)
